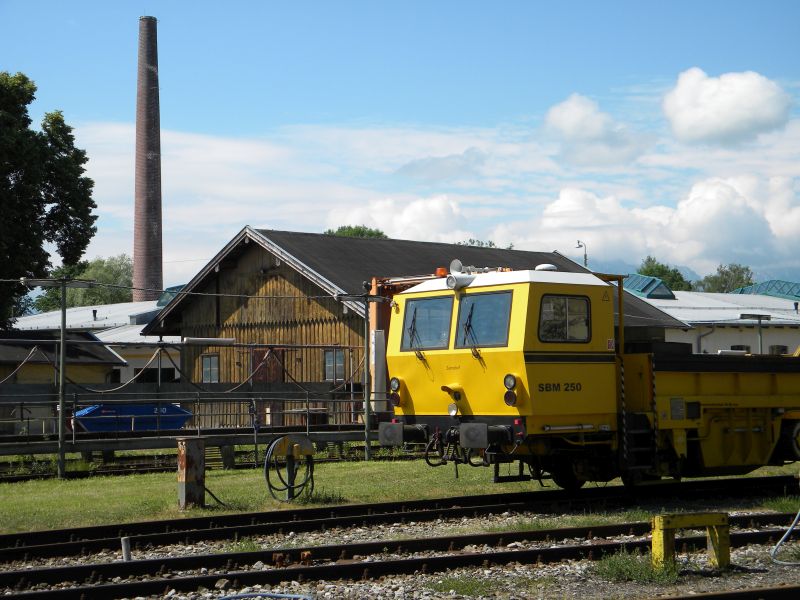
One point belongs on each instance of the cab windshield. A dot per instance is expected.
(426, 325)
(483, 320)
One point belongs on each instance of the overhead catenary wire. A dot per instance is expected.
(263, 362)
(20, 365)
(228, 391)
(283, 368)
(127, 383)
(201, 294)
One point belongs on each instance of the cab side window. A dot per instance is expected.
(564, 319)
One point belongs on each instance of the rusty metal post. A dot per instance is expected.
(191, 472)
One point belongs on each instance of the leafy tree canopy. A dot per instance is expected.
(359, 231)
(482, 244)
(669, 275)
(44, 196)
(726, 279)
(115, 272)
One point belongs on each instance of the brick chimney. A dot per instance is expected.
(147, 259)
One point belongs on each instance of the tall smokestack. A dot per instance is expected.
(147, 268)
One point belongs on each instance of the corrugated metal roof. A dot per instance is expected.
(773, 287)
(726, 309)
(647, 287)
(84, 317)
(127, 334)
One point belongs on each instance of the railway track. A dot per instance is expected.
(244, 460)
(76, 541)
(784, 592)
(358, 561)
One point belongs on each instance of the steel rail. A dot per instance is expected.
(344, 568)
(789, 592)
(231, 561)
(76, 541)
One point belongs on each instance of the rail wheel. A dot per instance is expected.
(564, 476)
(790, 440)
(289, 467)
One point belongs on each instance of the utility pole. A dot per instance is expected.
(365, 298)
(63, 283)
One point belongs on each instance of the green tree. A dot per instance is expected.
(669, 275)
(116, 273)
(726, 279)
(482, 244)
(44, 196)
(360, 231)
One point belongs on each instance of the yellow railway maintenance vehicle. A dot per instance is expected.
(492, 367)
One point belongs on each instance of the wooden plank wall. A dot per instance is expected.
(287, 309)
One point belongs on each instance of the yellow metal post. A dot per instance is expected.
(663, 543)
(717, 532)
(719, 546)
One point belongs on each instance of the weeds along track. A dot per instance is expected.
(77, 541)
(359, 561)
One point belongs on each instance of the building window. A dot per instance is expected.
(150, 375)
(210, 368)
(741, 348)
(483, 320)
(778, 349)
(334, 365)
(564, 319)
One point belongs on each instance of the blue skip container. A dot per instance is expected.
(131, 417)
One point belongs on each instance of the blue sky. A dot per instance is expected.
(663, 128)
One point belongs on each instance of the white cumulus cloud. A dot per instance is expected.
(731, 108)
(436, 219)
(717, 222)
(590, 137)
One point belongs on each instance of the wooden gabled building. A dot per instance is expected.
(280, 287)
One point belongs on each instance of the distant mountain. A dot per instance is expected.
(688, 273)
(617, 267)
(785, 273)
(782, 272)
(624, 268)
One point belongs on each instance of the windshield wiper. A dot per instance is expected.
(469, 332)
(413, 335)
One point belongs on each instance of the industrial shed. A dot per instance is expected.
(279, 287)
(31, 358)
(118, 325)
(762, 318)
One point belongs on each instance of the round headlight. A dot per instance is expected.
(452, 409)
(510, 381)
(510, 398)
(394, 384)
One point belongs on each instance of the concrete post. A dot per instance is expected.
(191, 472)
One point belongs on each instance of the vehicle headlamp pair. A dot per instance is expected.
(510, 382)
(394, 392)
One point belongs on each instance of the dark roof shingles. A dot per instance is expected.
(347, 262)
